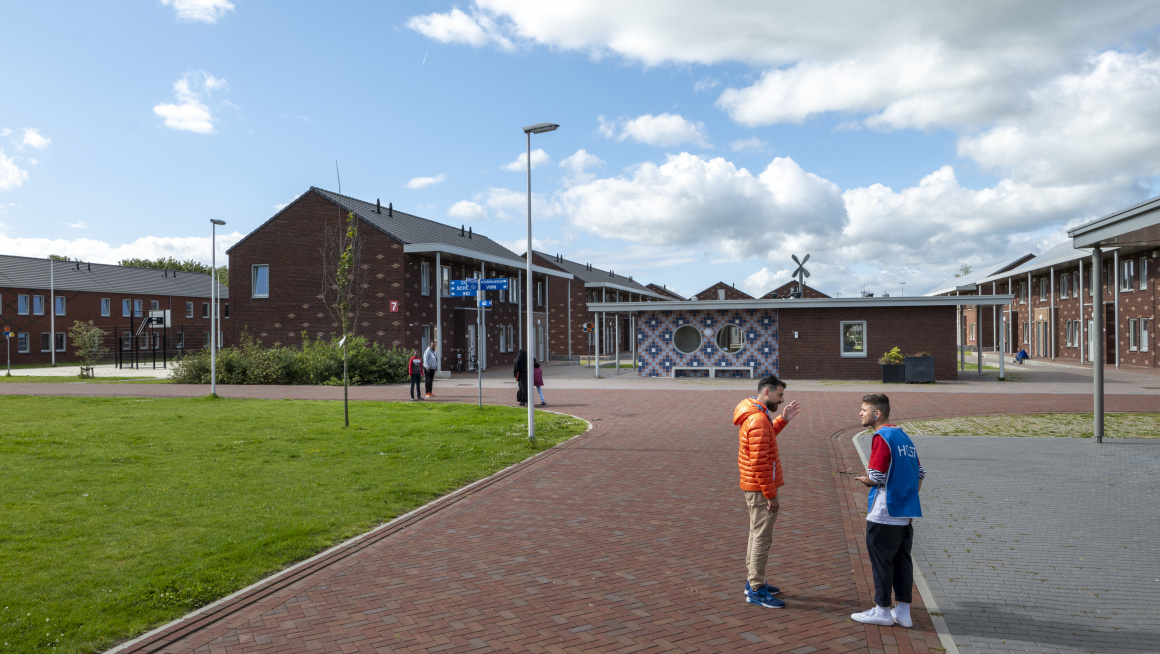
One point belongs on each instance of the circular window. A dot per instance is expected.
(687, 339)
(730, 338)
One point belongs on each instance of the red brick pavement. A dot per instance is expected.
(629, 538)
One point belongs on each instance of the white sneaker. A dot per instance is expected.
(901, 618)
(877, 615)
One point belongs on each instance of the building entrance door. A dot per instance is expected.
(1109, 333)
(471, 346)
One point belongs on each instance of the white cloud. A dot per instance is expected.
(203, 11)
(455, 26)
(577, 166)
(665, 130)
(423, 182)
(705, 84)
(11, 176)
(191, 114)
(146, 247)
(751, 144)
(765, 280)
(467, 210)
(539, 158)
(32, 137)
(80, 225)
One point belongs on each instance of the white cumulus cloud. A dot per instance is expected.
(191, 114)
(751, 144)
(455, 26)
(467, 210)
(33, 138)
(665, 130)
(146, 247)
(202, 11)
(539, 158)
(423, 182)
(578, 165)
(11, 175)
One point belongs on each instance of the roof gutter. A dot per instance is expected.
(431, 248)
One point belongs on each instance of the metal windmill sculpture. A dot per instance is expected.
(801, 273)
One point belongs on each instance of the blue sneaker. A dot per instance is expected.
(764, 599)
(772, 590)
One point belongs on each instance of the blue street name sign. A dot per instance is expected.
(485, 303)
(464, 284)
(498, 284)
(465, 292)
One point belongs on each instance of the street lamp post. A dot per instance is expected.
(213, 316)
(538, 128)
(903, 288)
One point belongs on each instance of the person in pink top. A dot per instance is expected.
(538, 373)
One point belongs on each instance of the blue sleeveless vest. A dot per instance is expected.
(901, 478)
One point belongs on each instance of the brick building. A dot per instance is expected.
(406, 266)
(721, 291)
(661, 289)
(974, 327)
(592, 284)
(41, 298)
(789, 288)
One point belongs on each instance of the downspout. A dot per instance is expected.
(438, 335)
(1082, 319)
(1116, 300)
(51, 310)
(1051, 311)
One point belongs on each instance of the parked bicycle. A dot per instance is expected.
(458, 359)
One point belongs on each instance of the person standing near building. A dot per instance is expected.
(760, 467)
(430, 365)
(894, 476)
(538, 380)
(521, 375)
(415, 370)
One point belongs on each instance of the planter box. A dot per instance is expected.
(893, 373)
(919, 370)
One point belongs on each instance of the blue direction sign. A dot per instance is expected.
(485, 303)
(462, 292)
(497, 284)
(464, 284)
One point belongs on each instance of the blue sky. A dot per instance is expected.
(699, 141)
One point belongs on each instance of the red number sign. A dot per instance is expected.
(394, 306)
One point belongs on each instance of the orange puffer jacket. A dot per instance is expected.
(757, 456)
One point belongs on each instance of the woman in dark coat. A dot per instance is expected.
(521, 375)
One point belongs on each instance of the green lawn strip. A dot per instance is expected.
(1041, 425)
(73, 379)
(119, 514)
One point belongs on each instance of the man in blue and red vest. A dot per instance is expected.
(894, 477)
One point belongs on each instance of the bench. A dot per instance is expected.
(712, 369)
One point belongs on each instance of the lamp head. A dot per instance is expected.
(217, 222)
(540, 128)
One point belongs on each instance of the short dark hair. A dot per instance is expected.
(771, 382)
(880, 402)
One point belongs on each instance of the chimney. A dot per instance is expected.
(391, 209)
(378, 207)
(462, 230)
(91, 268)
(468, 232)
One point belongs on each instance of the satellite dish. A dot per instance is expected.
(801, 273)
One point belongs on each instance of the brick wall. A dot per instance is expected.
(785, 289)
(731, 293)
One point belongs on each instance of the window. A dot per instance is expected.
(1127, 274)
(154, 305)
(1042, 289)
(687, 339)
(60, 342)
(45, 342)
(445, 281)
(1022, 292)
(205, 339)
(205, 309)
(125, 308)
(511, 338)
(503, 295)
(1133, 335)
(1143, 273)
(730, 338)
(720, 294)
(1145, 323)
(22, 305)
(539, 294)
(126, 340)
(180, 338)
(22, 343)
(426, 337)
(502, 339)
(38, 305)
(853, 339)
(1065, 285)
(59, 305)
(137, 308)
(425, 278)
(106, 307)
(189, 309)
(226, 310)
(260, 280)
(516, 290)
(1026, 333)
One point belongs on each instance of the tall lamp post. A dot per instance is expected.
(214, 321)
(538, 128)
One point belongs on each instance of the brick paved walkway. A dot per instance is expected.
(629, 538)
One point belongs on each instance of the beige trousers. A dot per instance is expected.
(761, 522)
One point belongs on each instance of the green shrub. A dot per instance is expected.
(315, 362)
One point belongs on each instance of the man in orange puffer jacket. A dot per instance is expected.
(760, 466)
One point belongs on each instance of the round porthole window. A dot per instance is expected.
(730, 338)
(687, 339)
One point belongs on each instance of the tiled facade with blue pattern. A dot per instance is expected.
(658, 355)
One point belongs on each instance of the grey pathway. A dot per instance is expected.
(1043, 545)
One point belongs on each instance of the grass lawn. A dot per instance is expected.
(119, 514)
(72, 379)
(1042, 425)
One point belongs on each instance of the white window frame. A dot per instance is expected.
(126, 341)
(189, 309)
(137, 310)
(720, 294)
(180, 334)
(254, 280)
(445, 281)
(1026, 334)
(539, 294)
(106, 307)
(205, 311)
(1143, 273)
(502, 339)
(23, 343)
(1133, 339)
(61, 342)
(38, 305)
(154, 305)
(59, 305)
(1022, 292)
(1145, 324)
(1042, 289)
(23, 305)
(516, 290)
(425, 278)
(1127, 274)
(842, 341)
(126, 308)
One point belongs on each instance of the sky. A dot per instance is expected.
(699, 141)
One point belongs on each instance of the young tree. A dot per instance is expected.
(964, 269)
(342, 285)
(169, 263)
(89, 341)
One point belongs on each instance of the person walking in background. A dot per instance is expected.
(894, 476)
(415, 370)
(521, 375)
(538, 373)
(430, 365)
(760, 467)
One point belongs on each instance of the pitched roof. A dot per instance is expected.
(31, 273)
(663, 290)
(595, 277)
(980, 275)
(1053, 256)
